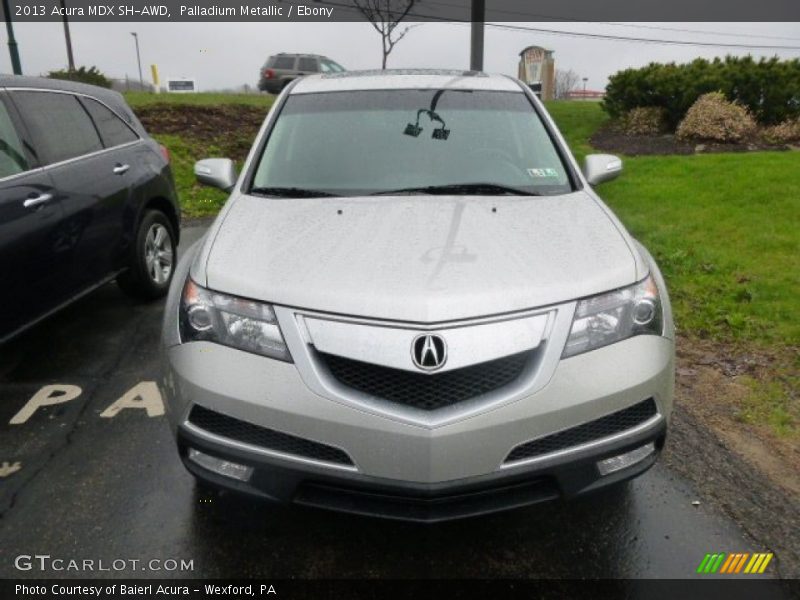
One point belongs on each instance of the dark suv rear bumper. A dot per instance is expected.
(352, 492)
(273, 86)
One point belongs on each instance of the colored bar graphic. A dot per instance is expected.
(753, 562)
(735, 563)
(727, 564)
(741, 562)
(703, 563)
(718, 562)
(764, 564)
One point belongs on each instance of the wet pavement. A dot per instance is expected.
(75, 484)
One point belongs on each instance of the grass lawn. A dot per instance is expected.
(185, 149)
(137, 99)
(196, 200)
(725, 229)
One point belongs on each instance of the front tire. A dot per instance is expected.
(152, 260)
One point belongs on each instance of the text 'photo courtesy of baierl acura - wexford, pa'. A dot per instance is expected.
(398, 298)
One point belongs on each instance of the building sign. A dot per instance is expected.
(537, 69)
(181, 85)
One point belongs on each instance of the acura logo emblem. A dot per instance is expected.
(428, 351)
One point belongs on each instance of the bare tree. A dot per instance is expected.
(566, 81)
(385, 16)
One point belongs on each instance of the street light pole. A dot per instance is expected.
(67, 37)
(585, 79)
(12, 43)
(476, 38)
(138, 59)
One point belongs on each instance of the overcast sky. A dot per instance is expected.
(221, 55)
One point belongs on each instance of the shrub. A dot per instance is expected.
(644, 120)
(713, 118)
(769, 88)
(783, 133)
(91, 76)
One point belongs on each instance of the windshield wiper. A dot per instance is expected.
(481, 189)
(291, 192)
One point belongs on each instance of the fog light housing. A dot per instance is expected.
(220, 466)
(623, 461)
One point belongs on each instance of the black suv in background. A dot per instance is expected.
(282, 68)
(86, 196)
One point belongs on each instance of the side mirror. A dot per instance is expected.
(598, 168)
(216, 172)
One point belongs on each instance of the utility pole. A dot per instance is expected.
(138, 60)
(67, 37)
(476, 39)
(12, 43)
(585, 79)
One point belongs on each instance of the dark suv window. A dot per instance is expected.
(112, 130)
(308, 64)
(12, 156)
(283, 62)
(59, 125)
(328, 66)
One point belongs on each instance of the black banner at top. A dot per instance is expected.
(496, 11)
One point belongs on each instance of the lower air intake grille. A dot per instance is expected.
(242, 431)
(588, 432)
(424, 391)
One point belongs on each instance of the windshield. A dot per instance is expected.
(380, 141)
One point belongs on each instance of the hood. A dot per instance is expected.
(422, 259)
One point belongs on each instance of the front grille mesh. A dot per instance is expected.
(248, 433)
(424, 391)
(588, 432)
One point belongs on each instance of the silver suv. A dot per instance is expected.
(414, 305)
(282, 69)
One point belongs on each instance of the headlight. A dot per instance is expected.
(236, 322)
(615, 316)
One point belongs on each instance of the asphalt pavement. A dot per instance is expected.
(79, 483)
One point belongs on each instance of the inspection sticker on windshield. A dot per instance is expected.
(548, 172)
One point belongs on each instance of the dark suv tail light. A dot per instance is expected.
(268, 73)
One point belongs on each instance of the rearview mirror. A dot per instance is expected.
(216, 172)
(598, 168)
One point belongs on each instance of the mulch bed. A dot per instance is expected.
(231, 128)
(612, 140)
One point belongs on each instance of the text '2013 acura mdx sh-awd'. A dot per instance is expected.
(414, 305)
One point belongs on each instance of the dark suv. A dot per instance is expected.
(86, 196)
(282, 68)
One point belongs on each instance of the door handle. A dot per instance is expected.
(120, 169)
(37, 200)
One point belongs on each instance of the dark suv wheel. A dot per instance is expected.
(152, 259)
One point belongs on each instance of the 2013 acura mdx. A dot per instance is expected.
(86, 196)
(414, 305)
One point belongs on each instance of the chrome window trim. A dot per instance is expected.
(90, 155)
(213, 437)
(35, 170)
(138, 139)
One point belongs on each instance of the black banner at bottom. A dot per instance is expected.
(439, 589)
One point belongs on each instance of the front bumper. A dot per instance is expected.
(408, 501)
(407, 471)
